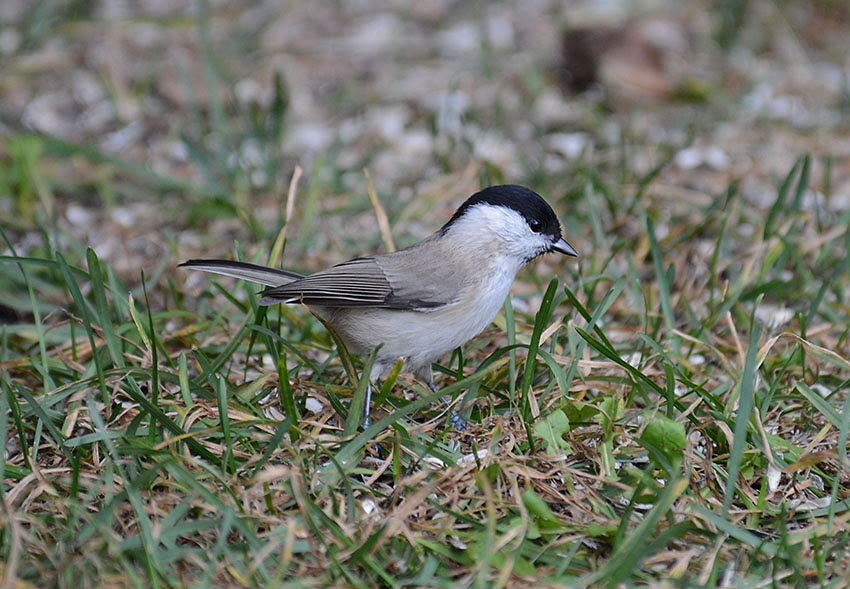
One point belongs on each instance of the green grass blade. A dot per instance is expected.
(635, 548)
(746, 401)
(83, 309)
(44, 419)
(663, 282)
(104, 314)
(287, 397)
(779, 204)
(540, 320)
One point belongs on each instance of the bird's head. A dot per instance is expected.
(513, 219)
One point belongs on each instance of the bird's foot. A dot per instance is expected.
(458, 422)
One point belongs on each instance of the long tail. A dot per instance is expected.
(244, 270)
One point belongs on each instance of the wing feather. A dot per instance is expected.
(243, 270)
(361, 282)
(357, 283)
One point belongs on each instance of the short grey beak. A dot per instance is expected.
(563, 247)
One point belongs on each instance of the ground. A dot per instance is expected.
(670, 408)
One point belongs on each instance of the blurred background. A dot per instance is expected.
(160, 130)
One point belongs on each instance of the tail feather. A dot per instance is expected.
(244, 271)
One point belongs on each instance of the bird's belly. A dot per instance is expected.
(420, 337)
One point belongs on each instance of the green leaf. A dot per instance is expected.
(665, 436)
(552, 429)
(611, 410)
(579, 411)
(538, 508)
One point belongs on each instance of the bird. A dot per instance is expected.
(421, 302)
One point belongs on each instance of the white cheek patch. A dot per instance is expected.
(503, 229)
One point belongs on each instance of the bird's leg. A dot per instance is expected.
(458, 422)
(367, 406)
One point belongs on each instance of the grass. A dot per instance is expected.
(154, 451)
(672, 407)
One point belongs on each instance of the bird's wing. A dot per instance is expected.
(424, 277)
(389, 281)
(244, 270)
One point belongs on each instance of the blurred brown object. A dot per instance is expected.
(633, 61)
(582, 50)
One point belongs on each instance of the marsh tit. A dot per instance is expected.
(423, 301)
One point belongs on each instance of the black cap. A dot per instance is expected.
(536, 211)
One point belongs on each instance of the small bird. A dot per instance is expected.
(421, 302)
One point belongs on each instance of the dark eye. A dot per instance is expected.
(535, 225)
